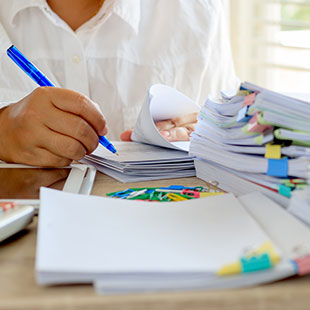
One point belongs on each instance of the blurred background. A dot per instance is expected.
(271, 42)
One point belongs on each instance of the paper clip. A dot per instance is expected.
(137, 193)
(175, 197)
(122, 194)
(190, 193)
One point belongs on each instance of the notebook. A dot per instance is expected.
(134, 246)
(152, 157)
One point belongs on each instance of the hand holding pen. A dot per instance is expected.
(50, 127)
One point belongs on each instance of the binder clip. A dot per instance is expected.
(242, 115)
(249, 99)
(255, 126)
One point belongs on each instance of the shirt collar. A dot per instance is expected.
(16, 6)
(129, 11)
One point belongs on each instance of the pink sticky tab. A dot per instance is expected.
(303, 265)
(254, 126)
(249, 100)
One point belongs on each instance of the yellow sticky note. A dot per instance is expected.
(273, 151)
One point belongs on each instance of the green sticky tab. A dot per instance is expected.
(244, 129)
(285, 190)
(255, 263)
(259, 140)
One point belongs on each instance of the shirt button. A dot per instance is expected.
(76, 59)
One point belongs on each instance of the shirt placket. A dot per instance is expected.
(75, 66)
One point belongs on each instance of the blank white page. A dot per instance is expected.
(80, 233)
(137, 152)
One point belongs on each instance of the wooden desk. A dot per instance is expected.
(18, 289)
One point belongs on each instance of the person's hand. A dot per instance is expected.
(176, 129)
(50, 128)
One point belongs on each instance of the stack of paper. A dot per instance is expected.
(142, 162)
(132, 246)
(156, 158)
(300, 205)
(257, 135)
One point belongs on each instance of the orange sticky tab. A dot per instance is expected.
(273, 151)
(249, 100)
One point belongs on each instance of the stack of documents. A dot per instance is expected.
(152, 157)
(124, 246)
(300, 205)
(141, 162)
(257, 135)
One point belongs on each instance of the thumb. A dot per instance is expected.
(126, 135)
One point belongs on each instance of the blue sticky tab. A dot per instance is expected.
(255, 263)
(277, 167)
(285, 190)
(242, 115)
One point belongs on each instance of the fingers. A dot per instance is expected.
(126, 135)
(177, 122)
(48, 159)
(42, 158)
(73, 126)
(78, 104)
(61, 145)
(178, 133)
(179, 128)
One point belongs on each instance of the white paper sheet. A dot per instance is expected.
(162, 102)
(81, 238)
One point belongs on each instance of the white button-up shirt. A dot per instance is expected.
(118, 54)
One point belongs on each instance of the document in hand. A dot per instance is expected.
(133, 246)
(152, 156)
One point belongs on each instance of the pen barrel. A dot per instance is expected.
(107, 144)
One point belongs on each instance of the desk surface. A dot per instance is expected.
(18, 289)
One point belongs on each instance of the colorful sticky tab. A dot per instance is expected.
(278, 167)
(285, 190)
(259, 140)
(303, 265)
(245, 130)
(255, 263)
(249, 99)
(262, 258)
(255, 126)
(242, 115)
(273, 151)
(243, 92)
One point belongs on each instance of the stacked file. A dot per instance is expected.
(141, 162)
(300, 205)
(257, 135)
(151, 156)
(130, 246)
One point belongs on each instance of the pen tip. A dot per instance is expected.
(116, 153)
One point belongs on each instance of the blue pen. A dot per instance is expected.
(42, 80)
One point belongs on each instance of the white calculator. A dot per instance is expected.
(20, 189)
(14, 218)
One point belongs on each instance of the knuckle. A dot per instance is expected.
(75, 150)
(82, 103)
(93, 146)
(181, 134)
(82, 129)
